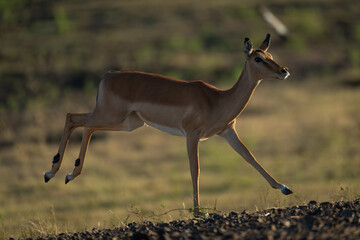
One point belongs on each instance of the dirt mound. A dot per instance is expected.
(338, 220)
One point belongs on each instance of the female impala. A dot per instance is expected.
(196, 110)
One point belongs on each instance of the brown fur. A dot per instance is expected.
(137, 86)
(195, 109)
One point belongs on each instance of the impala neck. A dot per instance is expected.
(237, 97)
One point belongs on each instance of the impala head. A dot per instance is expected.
(261, 63)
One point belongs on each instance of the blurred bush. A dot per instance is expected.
(51, 48)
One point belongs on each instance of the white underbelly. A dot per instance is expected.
(170, 130)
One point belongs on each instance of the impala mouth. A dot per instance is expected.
(285, 74)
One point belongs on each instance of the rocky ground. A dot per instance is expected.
(337, 220)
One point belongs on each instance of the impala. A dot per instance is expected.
(196, 110)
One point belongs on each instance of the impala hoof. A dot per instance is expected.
(285, 190)
(68, 178)
(48, 176)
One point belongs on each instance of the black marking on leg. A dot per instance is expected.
(56, 158)
(77, 162)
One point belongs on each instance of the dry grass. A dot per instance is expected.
(306, 136)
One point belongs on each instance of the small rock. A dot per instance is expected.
(140, 236)
(347, 213)
(167, 229)
(151, 233)
(175, 234)
(287, 224)
(325, 204)
(233, 214)
(302, 207)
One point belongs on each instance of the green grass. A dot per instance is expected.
(317, 156)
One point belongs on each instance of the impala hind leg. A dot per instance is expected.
(79, 163)
(73, 120)
(131, 122)
(232, 138)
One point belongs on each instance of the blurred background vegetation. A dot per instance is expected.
(306, 131)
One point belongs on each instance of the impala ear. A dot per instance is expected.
(266, 43)
(247, 48)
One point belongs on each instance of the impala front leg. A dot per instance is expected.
(79, 163)
(192, 143)
(232, 138)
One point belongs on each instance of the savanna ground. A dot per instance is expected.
(305, 131)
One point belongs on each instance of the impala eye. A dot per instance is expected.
(257, 59)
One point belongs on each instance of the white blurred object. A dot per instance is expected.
(274, 22)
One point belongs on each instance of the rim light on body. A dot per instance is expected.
(194, 109)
